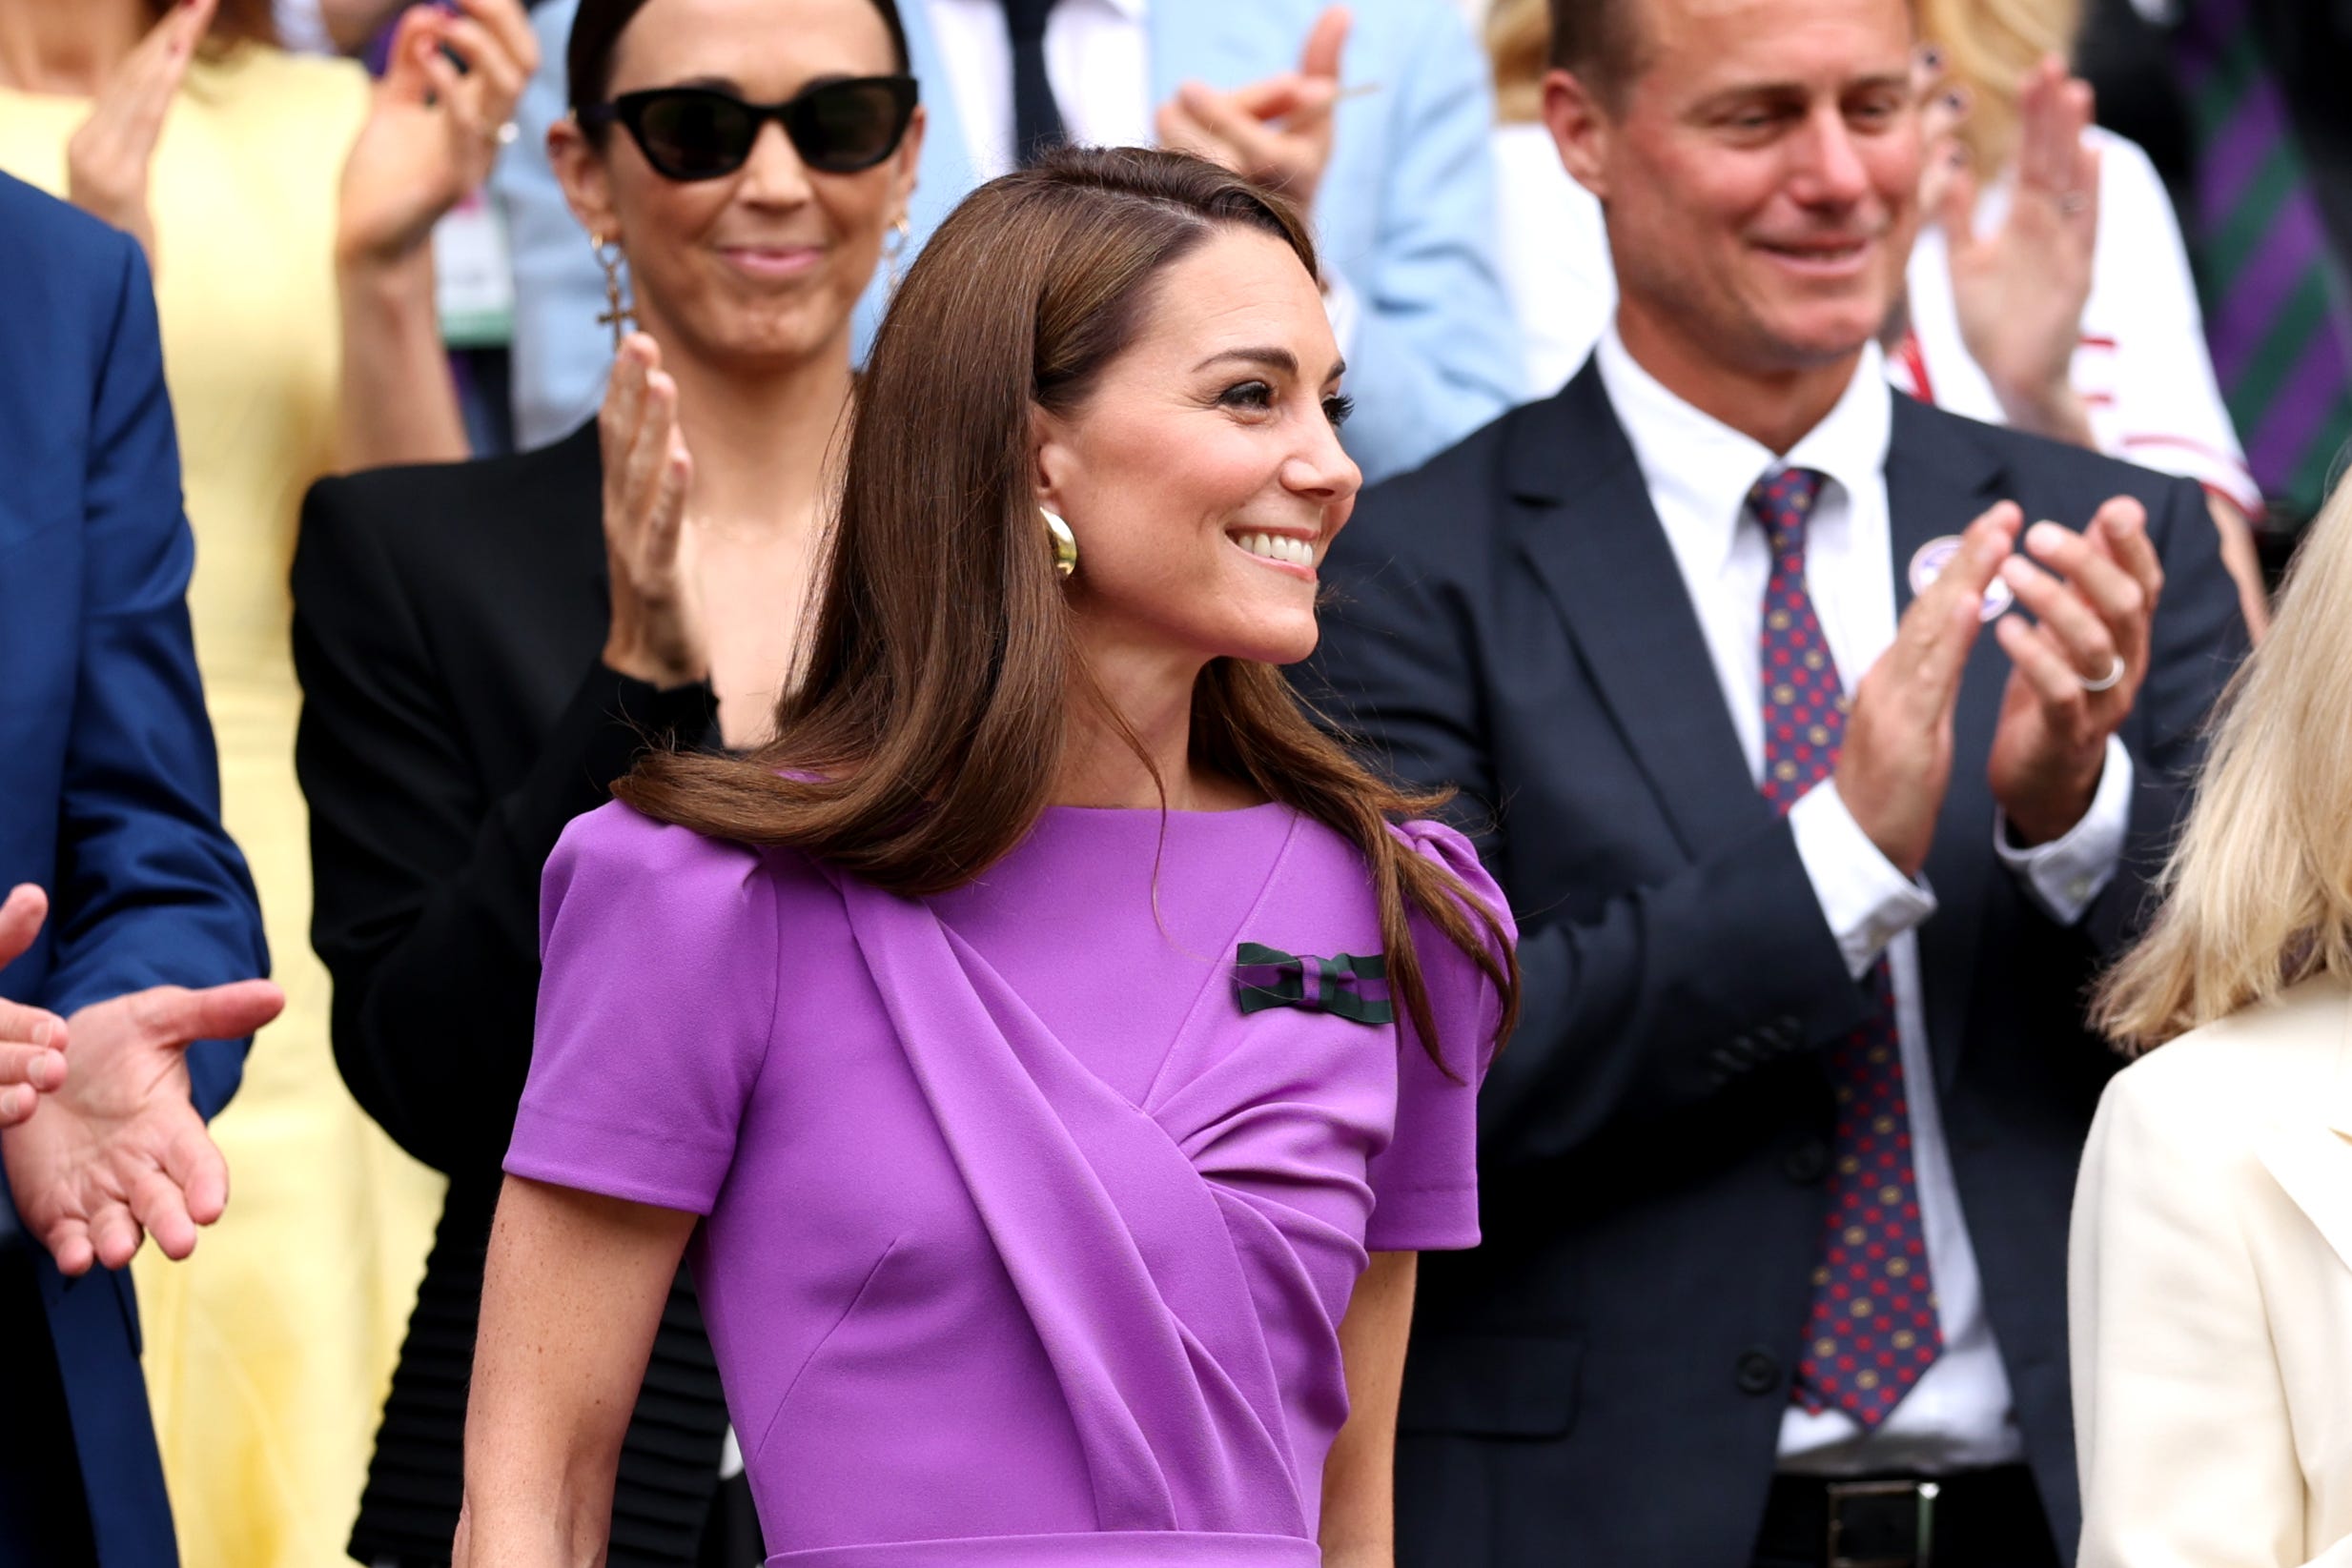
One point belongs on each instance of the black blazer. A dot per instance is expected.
(449, 626)
(1603, 1381)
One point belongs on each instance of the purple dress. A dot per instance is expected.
(1026, 1243)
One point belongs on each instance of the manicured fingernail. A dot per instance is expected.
(2045, 535)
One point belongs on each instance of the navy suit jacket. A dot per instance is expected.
(1603, 1380)
(113, 787)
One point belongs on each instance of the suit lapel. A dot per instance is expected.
(1588, 529)
(1936, 485)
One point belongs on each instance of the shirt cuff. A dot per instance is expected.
(1866, 900)
(2064, 875)
(1344, 310)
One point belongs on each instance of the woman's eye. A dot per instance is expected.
(1337, 407)
(1247, 395)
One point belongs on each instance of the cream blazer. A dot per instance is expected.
(2210, 1295)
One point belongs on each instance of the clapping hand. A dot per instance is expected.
(108, 158)
(2080, 670)
(31, 1039)
(1896, 763)
(433, 130)
(656, 634)
(115, 1151)
(1275, 133)
(2020, 290)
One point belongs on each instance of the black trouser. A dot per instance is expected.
(44, 1513)
(1985, 1519)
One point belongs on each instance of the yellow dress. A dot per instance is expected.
(269, 1351)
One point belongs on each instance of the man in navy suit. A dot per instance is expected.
(1825, 744)
(131, 934)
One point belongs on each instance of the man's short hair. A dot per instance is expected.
(1600, 43)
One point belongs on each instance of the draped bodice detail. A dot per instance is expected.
(1020, 1230)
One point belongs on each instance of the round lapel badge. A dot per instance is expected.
(1928, 562)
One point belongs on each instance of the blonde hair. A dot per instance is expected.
(1988, 48)
(2257, 895)
(1519, 41)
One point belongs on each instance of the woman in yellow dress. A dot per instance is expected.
(287, 207)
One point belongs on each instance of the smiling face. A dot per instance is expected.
(1760, 169)
(1202, 475)
(759, 269)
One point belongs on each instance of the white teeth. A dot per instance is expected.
(1297, 552)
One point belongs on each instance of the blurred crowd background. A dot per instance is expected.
(343, 283)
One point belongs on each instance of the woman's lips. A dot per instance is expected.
(771, 261)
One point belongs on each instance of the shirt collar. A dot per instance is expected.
(1699, 467)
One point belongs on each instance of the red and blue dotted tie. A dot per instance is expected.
(1872, 1332)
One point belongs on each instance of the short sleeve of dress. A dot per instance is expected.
(657, 997)
(1424, 1184)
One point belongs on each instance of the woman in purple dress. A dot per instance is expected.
(1050, 1054)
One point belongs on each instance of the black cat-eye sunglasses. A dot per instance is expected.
(702, 132)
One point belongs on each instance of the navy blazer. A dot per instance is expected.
(114, 793)
(1603, 1381)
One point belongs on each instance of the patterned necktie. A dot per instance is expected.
(1036, 118)
(1872, 1330)
(2278, 334)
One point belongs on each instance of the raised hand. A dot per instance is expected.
(2020, 290)
(1276, 134)
(433, 130)
(108, 158)
(31, 1039)
(2094, 595)
(656, 634)
(1897, 759)
(1943, 107)
(118, 1152)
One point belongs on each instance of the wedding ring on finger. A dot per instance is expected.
(2107, 682)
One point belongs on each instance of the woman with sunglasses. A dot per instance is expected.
(480, 658)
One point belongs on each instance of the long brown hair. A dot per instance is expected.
(919, 741)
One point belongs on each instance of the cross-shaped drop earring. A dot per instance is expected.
(618, 314)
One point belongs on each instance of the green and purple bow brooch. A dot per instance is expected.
(1267, 977)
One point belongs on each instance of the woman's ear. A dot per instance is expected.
(579, 169)
(1050, 461)
(908, 157)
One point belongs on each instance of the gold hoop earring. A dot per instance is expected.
(1065, 545)
(619, 314)
(893, 248)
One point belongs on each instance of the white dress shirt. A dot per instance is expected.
(1098, 62)
(1699, 472)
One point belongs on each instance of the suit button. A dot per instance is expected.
(1807, 1163)
(1759, 1373)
